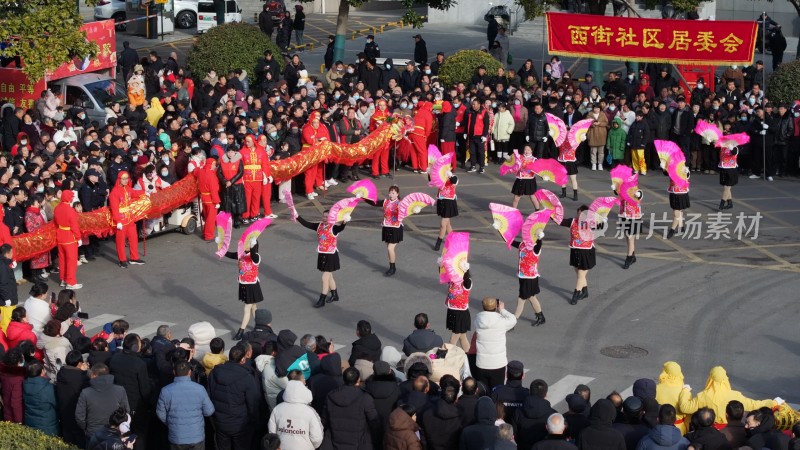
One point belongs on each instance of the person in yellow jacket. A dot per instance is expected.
(716, 396)
(668, 390)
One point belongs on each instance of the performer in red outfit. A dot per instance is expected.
(423, 124)
(328, 256)
(249, 286)
(581, 251)
(314, 132)
(458, 319)
(566, 156)
(208, 185)
(525, 184)
(256, 176)
(119, 202)
(68, 236)
(528, 275)
(266, 189)
(380, 161)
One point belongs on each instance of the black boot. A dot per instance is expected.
(238, 335)
(575, 195)
(334, 296)
(392, 270)
(438, 245)
(584, 293)
(670, 233)
(729, 205)
(563, 192)
(629, 260)
(575, 297)
(539, 320)
(721, 205)
(321, 302)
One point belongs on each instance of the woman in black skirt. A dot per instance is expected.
(678, 201)
(581, 251)
(392, 231)
(528, 273)
(446, 207)
(525, 184)
(458, 317)
(728, 175)
(249, 285)
(566, 156)
(328, 256)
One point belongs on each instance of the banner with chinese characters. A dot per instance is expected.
(693, 42)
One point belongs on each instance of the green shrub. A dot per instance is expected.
(460, 67)
(784, 84)
(20, 437)
(228, 47)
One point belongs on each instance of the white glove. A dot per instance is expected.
(583, 138)
(465, 135)
(550, 132)
(763, 132)
(639, 194)
(779, 401)
(441, 140)
(8, 303)
(613, 187)
(507, 157)
(662, 166)
(764, 126)
(216, 206)
(119, 225)
(80, 242)
(449, 174)
(346, 218)
(464, 266)
(216, 240)
(483, 139)
(439, 261)
(359, 194)
(253, 242)
(270, 179)
(416, 210)
(527, 138)
(458, 124)
(686, 386)
(541, 235)
(496, 225)
(544, 139)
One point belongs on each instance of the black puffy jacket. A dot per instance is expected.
(441, 426)
(234, 393)
(130, 372)
(530, 421)
(483, 433)
(329, 378)
(351, 418)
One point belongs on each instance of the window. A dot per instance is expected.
(207, 8)
(107, 92)
(78, 97)
(231, 7)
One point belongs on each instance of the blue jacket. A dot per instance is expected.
(663, 437)
(40, 405)
(182, 406)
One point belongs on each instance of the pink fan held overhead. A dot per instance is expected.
(250, 236)
(730, 141)
(433, 155)
(551, 170)
(224, 228)
(629, 191)
(533, 228)
(364, 189)
(342, 210)
(441, 171)
(455, 255)
(550, 201)
(507, 221)
(413, 204)
(666, 150)
(558, 130)
(678, 173)
(577, 134)
(602, 206)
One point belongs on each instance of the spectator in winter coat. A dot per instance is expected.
(99, 400)
(735, 432)
(12, 376)
(130, 372)
(182, 407)
(632, 428)
(367, 346)
(556, 435)
(512, 394)
(576, 417)
(328, 379)
(40, 401)
(37, 307)
(441, 424)
(704, 433)
(409, 79)
(271, 383)
(761, 430)
(383, 388)
(665, 435)
(491, 325)
(599, 434)
(8, 284)
(402, 431)
(483, 433)
(296, 423)
(70, 381)
(234, 393)
(616, 142)
(422, 338)
(55, 348)
(530, 419)
(350, 415)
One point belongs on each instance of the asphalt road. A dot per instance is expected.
(699, 302)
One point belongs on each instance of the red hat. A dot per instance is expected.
(315, 115)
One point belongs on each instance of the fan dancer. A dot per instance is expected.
(314, 132)
(458, 319)
(528, 274)
(249, 286)
(392, 231)
(728, 174)
(230, 173)
(631, 214)
(525, 184)
(446, 207)
(566, 156)
(327, 258)
(581, 252)
(678, 201)
(119, 202)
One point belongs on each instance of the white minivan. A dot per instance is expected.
(207, 14)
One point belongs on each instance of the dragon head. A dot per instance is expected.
(400, 126)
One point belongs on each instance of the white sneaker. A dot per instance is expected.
(333, 182)
(770, 179)
(83, 260)
(594, 167)
(282, 200)
(74, 286)
(80, 263)
(272, 216)
(63, 283)
(754, 177)
(312, 196)
(327, 184)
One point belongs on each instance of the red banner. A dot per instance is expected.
(17, 89)
(694, 42)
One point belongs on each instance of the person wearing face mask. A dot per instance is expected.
(230, 173)
(700, 92)
(389, 72)
(371, 49)
(22, 141)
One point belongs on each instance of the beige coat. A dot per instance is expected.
(598, 132)
(503, 126)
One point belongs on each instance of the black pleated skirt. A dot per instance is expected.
(458, 321)
(446, 208)
(392, 235)
(728, 177)
(582, 258)
(328, 262)
(250, 293)
(572, 167)
(679, 202)
(524, 186)
(528, 287)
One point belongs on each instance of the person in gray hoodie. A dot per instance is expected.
(665, 435)
(99, 400)
(295, 421)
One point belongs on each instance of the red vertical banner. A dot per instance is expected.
(692, 42)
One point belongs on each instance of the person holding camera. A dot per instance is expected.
(491, 326)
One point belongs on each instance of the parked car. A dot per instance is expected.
(207, 14)
(111, 9)
(185, 13)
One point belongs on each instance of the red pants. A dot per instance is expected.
(419, 152)
(380, 161)
(450, 148)
(314, 177)
(252, 195)
(209, 221)
(127, 232)
(68, 263)
(266, 198)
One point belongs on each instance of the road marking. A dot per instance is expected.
(627, 393)
(99, 321)
(559, 390)
(220, 332)
(148, 330)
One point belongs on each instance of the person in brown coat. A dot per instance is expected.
(597, 134)
(401, 434)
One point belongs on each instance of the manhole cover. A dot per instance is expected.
(623, 351)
